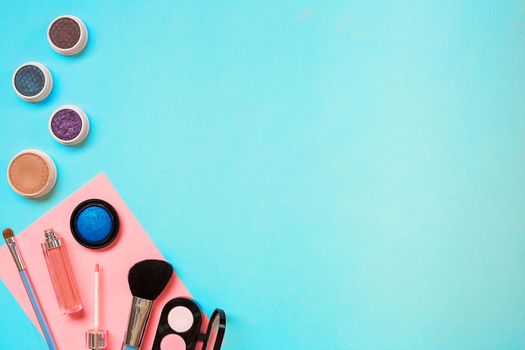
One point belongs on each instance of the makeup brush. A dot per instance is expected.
(10, 241)
(147, 279)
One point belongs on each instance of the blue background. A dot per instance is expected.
(334, 174)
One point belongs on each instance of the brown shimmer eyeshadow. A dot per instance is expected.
(29, 173)
(64, 33)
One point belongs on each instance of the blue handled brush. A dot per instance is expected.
(9, 237)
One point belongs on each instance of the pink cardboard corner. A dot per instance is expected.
(133, 244)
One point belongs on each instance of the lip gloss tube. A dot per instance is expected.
(61, 274)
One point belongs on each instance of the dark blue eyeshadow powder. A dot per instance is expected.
(94, 224)
(29, 80)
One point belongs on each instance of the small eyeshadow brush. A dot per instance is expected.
(147, 279)
(10, 241)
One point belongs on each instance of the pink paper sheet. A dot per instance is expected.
(133, 244)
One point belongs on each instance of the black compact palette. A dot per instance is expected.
(94, 223)
(180, 324)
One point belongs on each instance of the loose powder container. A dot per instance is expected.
(32, 81)
(94, 223)
(32, 173)
(180, 327)
(69, 125)
(67, 35)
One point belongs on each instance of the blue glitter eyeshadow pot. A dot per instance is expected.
(32, 82)
(94, 223)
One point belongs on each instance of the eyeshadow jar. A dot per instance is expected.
(67, 35)
(69, 125)
(180, 324)
(32, 173)
(32, 82)
(94, 223)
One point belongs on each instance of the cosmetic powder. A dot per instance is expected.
(32, 173)
(94, 223)
(180, 319)
(172, 341)
(69, 125)
(183, 317)
(32, 81)
(67, 35)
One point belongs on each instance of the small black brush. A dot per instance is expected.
(147, 279)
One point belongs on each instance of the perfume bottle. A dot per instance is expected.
(61, 274)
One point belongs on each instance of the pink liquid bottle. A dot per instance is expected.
(61, 274)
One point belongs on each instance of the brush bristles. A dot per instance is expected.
(8, 233)
(148, 278)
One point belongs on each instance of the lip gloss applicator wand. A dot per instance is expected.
(96, 338)
(10, 241)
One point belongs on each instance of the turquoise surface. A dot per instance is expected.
(334, 174)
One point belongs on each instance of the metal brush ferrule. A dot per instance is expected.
(15, 252)
(138, 319)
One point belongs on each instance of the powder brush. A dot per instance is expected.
(147, 279)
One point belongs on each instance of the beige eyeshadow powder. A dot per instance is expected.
(31, 173)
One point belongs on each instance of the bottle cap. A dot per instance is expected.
(96, 339)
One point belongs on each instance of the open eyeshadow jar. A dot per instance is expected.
(67, 35)
(32, 173)
(69, 125)
(180, 324)
(32, 81)
(94, 223)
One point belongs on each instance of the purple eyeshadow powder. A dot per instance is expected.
(66, 124)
